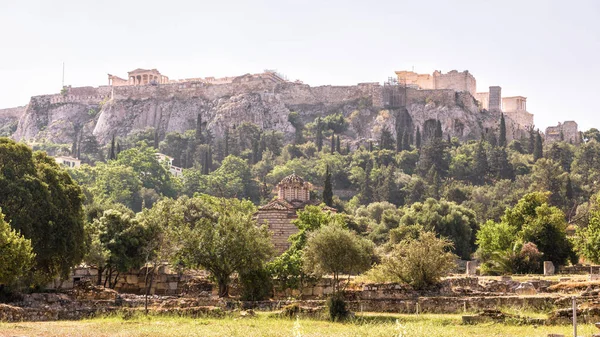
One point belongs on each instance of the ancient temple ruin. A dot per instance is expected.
(293, 194)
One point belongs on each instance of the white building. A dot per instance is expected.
(69, 162)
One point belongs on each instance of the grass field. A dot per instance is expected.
(263, 325)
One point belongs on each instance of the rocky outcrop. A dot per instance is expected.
(108, 111)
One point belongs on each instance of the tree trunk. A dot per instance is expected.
(223, 288)
(148, 287)
(99, 278)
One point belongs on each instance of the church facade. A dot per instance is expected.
(293, 194)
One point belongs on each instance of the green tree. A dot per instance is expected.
(227, 241)
(387, 140)
(294, 119)
(16, 251)
(123, 242)
(335, 250)
(538, 149)
(502, 134)
(328, 189)
(420, 262)
(587, 239)
(151, 172)
(447, 219)
(418, 139)
(480, 169)
(42, 203)
(319, 134)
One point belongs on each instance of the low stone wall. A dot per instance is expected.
(579, 269)
(164, 281)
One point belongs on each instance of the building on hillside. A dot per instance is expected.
(515, 108)
(293, 194)
(69, 162)
(567, 131)
(174, 170)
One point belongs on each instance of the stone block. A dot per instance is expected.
(471, 268)
(548, 268)
(505, 278)
(133, 279)
(173, 285)
(525, 288)
(594, 277)
(328, 290)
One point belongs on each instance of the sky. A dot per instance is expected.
(547, 51)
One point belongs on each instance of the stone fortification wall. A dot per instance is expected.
(524, 119)
(83, 95)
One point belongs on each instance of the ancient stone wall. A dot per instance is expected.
(523, 119)
(458, 81)
(567, 131)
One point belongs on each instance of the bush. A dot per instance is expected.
(257, 285)
(420, 262)
(338, 310)
(291, 311)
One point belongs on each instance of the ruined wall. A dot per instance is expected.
(567, 131)
(484, 99)
(458, 81)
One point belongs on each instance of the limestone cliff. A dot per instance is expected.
(108, 111)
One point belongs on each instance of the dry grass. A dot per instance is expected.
(372, 325)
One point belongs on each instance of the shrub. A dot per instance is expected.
(338, 310)
(420, 262)
(257, 285)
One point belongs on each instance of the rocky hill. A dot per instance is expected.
(119, 111)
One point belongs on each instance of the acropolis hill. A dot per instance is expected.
(147, 98)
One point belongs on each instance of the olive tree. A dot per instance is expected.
(335, 250)
(226, 240)
(420, 262)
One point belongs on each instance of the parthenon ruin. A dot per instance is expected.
(154, 77)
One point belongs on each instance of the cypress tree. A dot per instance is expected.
(538, 151)
(418, 138)
(449, 140)
(502, 136)
(118, 150)
(226, 143)
(531, 144)
(199, 137)
(333, 143)
(319, 136)
(111, 154)
(337, 144)
(481, 164)
(348, 148)
(156, 139)
(209, 159)
(370, 146)
(569, 190)
(328, 189)
(367, 193)
(406, 141)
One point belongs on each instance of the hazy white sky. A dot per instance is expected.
(547, 51)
